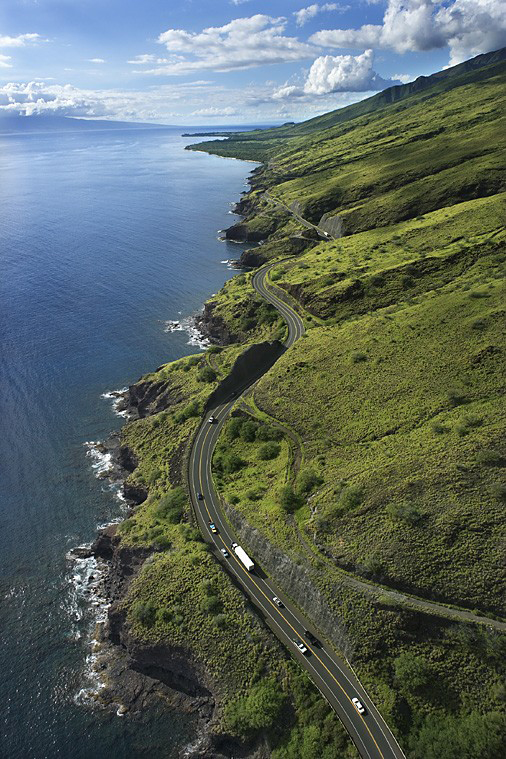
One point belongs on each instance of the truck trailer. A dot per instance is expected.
(243, 557)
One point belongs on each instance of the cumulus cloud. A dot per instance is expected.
(241, 44)
(96, 60)
(20, 41)
(468, 27)
(4, 61)
(306, 14)
(337, 73)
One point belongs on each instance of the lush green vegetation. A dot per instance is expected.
(373, 450)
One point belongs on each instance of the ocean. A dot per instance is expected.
(105, 239)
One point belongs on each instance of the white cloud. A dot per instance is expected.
(404, 78)
(468, 27)
(241, 44)
(306, 14)
(215, 112)
(337, 73)
(96, 60)
(20, 41)
(157, 104)
(4, 61)
(239, 2)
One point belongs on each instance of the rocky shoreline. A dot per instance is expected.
(130, 675)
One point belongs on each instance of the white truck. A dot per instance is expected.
(243, 557)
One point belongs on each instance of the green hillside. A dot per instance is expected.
(371, 456)
(391, 468)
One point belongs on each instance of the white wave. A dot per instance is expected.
(195, 336)
(87, 607)
(117, 397)
(100, 457)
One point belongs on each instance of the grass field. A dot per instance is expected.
(375, 445)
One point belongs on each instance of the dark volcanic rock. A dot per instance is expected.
(134, 492)
(241, 233)
(214, 327)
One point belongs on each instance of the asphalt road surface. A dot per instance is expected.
(328, 671)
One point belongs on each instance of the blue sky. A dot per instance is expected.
(227, 61)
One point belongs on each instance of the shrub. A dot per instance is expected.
(404, 511)
(277, 274)
(351, 497)
(459, 736)
(269, 451)
(438, 428)
(228, 463)
(411, 672)
(214, 349)
(265, 432)
(307, 480)
(234, 427)
(192, 409)
(144, 612)
(220, 620)
(489, 457)
(248, 431)
(499, 491)
(456, 397)
(211, 605)
(207, 374)
(259, 710)
(171, 505)
(289, 499)
(357, 357)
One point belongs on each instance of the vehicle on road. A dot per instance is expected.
(300, 645)
(225, 552)
(243, 557)
(311, 638)
(200, 497)
(211, 419)
(358, 705)
(213, 527)
(278, 601)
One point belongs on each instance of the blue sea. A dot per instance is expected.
(105, 237)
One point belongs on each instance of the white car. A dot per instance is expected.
(278, 601)
(225, 552)
(358, 705)
(300, 645)
(211, 419)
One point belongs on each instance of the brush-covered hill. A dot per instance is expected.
(391, 467)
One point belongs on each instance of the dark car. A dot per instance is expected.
(311, 638)
(200, 497)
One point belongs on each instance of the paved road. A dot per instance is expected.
(305, 223)
(328, 671)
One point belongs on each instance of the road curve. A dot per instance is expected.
(331, 675)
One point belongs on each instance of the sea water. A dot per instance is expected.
(105, 239)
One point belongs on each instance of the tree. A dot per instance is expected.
(460, 737)
(269, 451)
(411, 672)
(259, 710)
(289, 499)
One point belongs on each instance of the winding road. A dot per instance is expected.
(329, 672)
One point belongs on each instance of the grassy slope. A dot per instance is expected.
(395, 395)
(183, 598)
(404, 361)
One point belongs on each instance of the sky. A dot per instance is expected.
(224, 62)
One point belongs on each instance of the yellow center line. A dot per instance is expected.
(276, 609)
